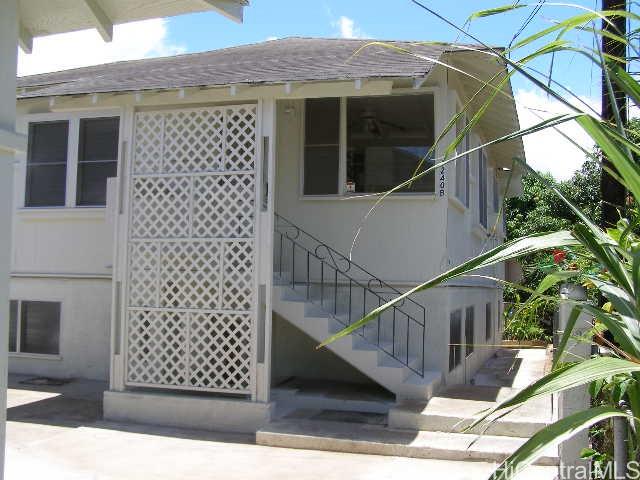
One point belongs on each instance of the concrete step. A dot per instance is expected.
(379, 440)
(457, 408)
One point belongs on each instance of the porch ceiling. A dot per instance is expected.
(39, 18)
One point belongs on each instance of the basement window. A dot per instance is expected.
(368, 144)
(488, 321)
(469, 330)
(34, 327)
(455, 339)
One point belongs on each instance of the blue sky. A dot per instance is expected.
(381, 19)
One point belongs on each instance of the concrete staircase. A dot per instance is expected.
(301, 305)
(433, 429)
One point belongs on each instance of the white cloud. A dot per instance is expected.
(131, 41)
(548, 150)
(272, 38)
(347, 28)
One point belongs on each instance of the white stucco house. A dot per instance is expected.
(182, 226)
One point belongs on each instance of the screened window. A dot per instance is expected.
(322, 146)
(97, 159)
(482, 189)
(47, 164)
(462, 166)
(469, 330)
(488, 320)
(387, 140)
(34, 327)
(455, 339)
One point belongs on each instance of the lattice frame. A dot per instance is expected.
(191, 249)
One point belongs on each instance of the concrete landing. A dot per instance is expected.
(457, 407)
(378, 440)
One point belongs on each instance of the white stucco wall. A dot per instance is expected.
(63, 254)
(84, 327)
(403, 241)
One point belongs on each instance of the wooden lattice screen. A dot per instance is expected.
(190, 266)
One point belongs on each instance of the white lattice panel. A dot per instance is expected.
(194, 140)
(190, 275)
(157, 348)
(237, 277)
(224, 206)
(191, 249)
(149, 135)
(240, 137)
(220, 351)
(160, 207)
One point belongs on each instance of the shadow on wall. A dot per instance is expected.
(294, 354)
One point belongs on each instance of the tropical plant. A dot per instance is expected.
(610, 258)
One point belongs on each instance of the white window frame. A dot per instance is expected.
(71, 185)
(342, 150)
(44, 356)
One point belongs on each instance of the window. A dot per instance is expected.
(462, 166)
(97, 159)
(387, 139)
(482, 189)
(488, 322)
(496, 192)
(322, 146)
(69, 161)
(34, 327)
(469, 330)
(47, 164)
(455, 339)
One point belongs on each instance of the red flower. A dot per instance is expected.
(559, 256)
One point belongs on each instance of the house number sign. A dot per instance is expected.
(441, 181)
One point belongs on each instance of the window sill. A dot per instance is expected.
(62, 213)
(461, 207)
(370, 197)
(35, 356)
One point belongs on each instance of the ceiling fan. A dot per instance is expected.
(370, 124)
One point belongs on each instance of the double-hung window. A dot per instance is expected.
(34, 327)
(368, 144)
(462, 165)
(47, 164)
(97, 159)
(69, 161)
(482, 189)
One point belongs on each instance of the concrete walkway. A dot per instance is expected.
(55, 433)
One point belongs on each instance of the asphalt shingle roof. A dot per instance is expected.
(276, 61)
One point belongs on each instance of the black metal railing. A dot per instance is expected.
(346, 291)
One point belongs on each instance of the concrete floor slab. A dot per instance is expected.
(48, 439)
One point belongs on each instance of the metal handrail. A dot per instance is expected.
(344, 273)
